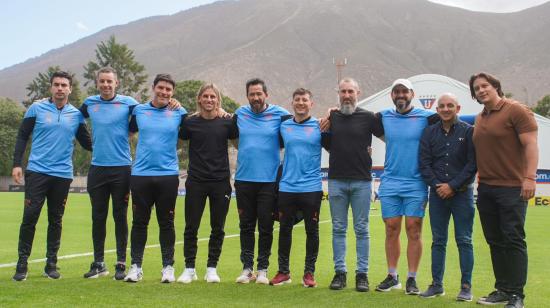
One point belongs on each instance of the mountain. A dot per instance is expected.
(292, 43)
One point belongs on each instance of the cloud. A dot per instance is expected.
(81, 26)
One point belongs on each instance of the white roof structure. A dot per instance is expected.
(427, 88)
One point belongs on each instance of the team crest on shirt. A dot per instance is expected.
(289, 130)
(268, 116)
(308, 131)
(148, 113)
(168, 113)
(49, 118)
(117, 105)
(427, 101)
(96, 108)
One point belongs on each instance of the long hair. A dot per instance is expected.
(205, 87)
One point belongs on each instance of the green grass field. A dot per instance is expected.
(73, 290)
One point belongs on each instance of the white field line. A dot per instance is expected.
(87, 254)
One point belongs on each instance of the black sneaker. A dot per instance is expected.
(494, 298)
(433, 291)
(410, 287)
(515, 302)
(389, 283)
(120, 271)
(97, 269)
(50, 271)
(20, 272)
(339, 281)
(361, 282)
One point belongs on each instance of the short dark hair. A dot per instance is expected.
(490, 78)
(164, 77)
(302, 91)
(106, 70)
(256, 81)
(62, 74)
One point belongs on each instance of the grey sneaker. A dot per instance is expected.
(494, 298)
(433, 291)
(465, 294)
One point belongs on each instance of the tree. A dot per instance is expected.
(186, 93)
(39, 88)
(543, 107)
(131, 74)
(11, 115)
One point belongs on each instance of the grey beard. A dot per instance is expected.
(347, 109)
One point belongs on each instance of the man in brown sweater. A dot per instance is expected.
(505, 138)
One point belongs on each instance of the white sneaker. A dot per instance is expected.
(187, 276)
(246, 276)
(211, 275)
(168, 274)
(135, 274)
(262, 277)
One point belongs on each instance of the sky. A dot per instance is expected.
(30, 28)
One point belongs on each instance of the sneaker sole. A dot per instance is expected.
(247, 280)
(396, 287)
(412, 292)
(309, 286)
(266, 282)
(337, 288)
(19, 279)
(482, 302)
(460, 299)
(105, 273)
(187, 281)
(49, 277)
(281, 283)
(432, 296)
(212, 280)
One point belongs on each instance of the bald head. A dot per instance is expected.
(448, 97)
(448, 107)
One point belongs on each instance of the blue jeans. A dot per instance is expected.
(461, 206)
(342, 193)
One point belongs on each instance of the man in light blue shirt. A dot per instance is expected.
(255, 182)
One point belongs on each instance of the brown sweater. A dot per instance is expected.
(499, 152)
